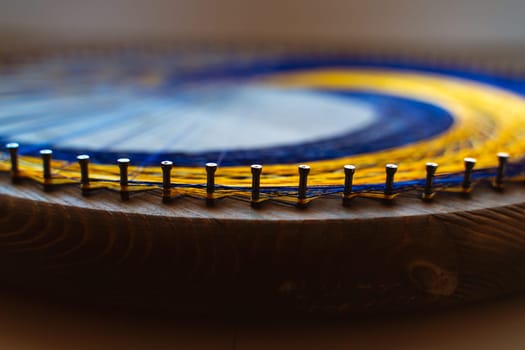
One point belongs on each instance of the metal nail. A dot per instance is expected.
(256, 184)
(349, 179)
(211, 168)
(503, 159)
(428, 192)
(166, 167)
(83, 161)
(46, 165)
(123, 164)
(467, 177)
(304, 170)
(13, 154)
(391, 170)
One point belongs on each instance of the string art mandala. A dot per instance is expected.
(278, 110)
(188, 125)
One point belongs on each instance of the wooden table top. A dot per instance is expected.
(29, 324)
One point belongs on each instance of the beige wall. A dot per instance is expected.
(407, 22)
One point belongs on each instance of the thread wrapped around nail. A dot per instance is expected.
(304, 170)
(467, 177)
(46, 167)
(123, 164)
(503, 159)
(83, 161)
(428, 191)
(166, 167)
(349, 178)
(211, 168)
(13, 154)
(391, 170)
(256, 170)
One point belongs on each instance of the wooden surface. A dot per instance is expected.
(34, 325)
(187, 258)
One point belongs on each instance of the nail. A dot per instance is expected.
(428, 192)
(123, 164)
(349, 179)
(391, 170)
(46, 165)
(166, 167)
(304, 170)
(256, 185)
(503, 159)
(210, 183)
(13, 153)
(83, 161)
(467, 177)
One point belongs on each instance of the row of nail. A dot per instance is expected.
(256, 171)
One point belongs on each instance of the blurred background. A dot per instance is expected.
(466, 25)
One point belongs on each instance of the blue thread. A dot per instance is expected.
(400, 121)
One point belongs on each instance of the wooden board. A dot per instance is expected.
(187, 258)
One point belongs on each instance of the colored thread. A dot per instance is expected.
(487, 119)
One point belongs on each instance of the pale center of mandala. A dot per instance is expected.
(194, 120)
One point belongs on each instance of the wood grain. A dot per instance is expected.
(187, 258)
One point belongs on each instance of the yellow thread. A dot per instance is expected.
(428, 196)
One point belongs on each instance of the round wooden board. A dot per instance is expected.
(190, 259)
